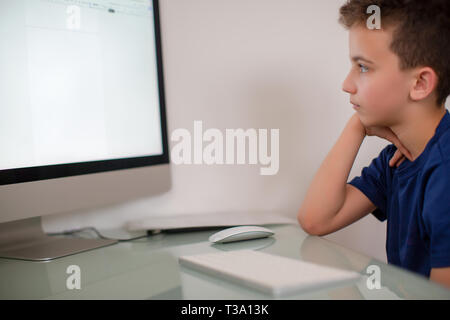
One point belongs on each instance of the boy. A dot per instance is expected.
(398, 85)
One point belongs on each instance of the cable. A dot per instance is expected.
(99, 235)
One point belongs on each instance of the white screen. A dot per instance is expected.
(78, 81)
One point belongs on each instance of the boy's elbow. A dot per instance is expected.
(308, 225)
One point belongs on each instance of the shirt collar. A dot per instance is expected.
(407, 168)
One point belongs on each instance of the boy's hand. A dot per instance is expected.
(397, 159)
(388, 134)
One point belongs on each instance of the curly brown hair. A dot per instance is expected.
(421, 33)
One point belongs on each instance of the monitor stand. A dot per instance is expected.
(25, 240)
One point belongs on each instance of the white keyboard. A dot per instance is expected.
(267, 273)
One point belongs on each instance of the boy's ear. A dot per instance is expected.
(425, 82)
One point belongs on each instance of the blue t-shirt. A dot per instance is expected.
(415, 200)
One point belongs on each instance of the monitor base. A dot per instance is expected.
(25, 240)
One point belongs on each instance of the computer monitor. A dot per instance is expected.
(82, 115)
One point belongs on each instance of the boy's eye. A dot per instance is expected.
(363, 68)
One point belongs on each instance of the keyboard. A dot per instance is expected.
(267, 273)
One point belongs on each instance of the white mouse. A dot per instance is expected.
(240, 233)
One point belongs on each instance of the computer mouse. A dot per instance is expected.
(240, 233)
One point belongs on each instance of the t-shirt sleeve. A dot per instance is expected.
(373, 183)
(436, 215)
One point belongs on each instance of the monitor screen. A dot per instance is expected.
(81, 87)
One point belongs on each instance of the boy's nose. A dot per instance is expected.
(348, 86)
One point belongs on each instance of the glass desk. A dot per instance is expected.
(148, 269)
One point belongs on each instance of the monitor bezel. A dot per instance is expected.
(28, 174)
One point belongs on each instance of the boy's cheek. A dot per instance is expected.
(381, 102)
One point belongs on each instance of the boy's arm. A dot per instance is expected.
(330, 203)
(441, 275)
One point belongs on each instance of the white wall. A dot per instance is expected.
(252, 64)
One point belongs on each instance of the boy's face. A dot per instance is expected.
(375, 82)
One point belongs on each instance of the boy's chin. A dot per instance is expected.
(369, 121)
